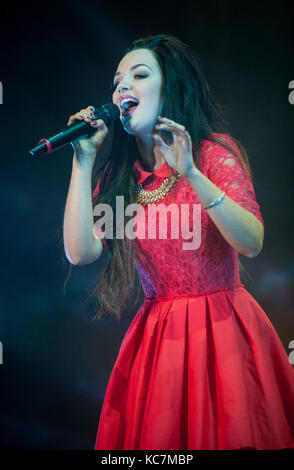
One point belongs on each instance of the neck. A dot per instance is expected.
(150, 154)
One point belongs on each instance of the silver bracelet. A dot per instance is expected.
(217, 202)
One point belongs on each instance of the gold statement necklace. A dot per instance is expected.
(148, 197)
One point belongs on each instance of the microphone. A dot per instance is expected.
(108, 113)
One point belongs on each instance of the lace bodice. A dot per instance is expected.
(164, 266)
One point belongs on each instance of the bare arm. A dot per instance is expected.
(80, 244)
(237, 225)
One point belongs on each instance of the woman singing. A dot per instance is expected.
(200, 366)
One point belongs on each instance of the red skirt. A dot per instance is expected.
(197, 372)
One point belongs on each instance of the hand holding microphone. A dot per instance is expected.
(87, 147)
(82, 131)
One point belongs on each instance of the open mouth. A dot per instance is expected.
(128, 106)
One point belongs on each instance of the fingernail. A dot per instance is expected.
(94, 122)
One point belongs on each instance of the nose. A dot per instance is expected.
(123, 85)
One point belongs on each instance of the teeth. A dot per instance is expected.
(124, 102)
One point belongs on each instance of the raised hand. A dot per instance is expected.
(179, 154)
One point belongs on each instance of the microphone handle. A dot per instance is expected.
(66, 135)
(72, 132)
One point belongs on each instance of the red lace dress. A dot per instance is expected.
(200, 366)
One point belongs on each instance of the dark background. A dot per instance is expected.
(55, 60)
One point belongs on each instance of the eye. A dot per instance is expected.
(140, 75)
(137, 75)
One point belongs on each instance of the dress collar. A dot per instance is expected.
(141, 175)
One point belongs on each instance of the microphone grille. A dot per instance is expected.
(109, 112)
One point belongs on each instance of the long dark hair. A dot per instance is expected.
(186, 99)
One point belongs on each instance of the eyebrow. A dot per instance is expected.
(132, 68)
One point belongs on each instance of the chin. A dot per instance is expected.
(137, 128)
(130, 127)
